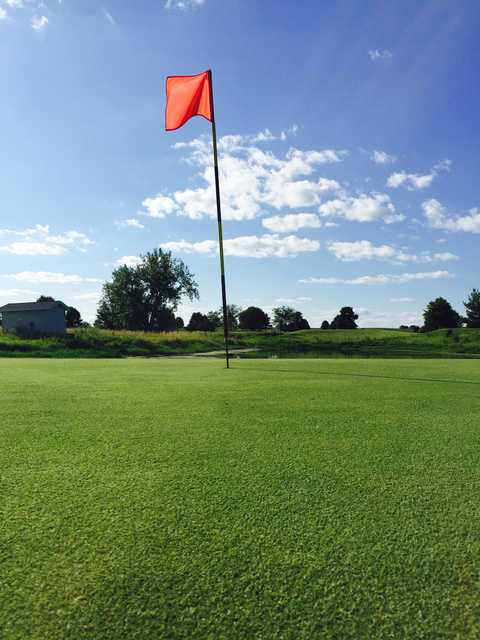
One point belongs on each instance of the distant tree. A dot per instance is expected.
(46, 299)
(233, 311)
(440, 314)
(145, 296)
(288, 319)
(403, 327)
(166, 321)
(215, 318)
(414, 328)
(345, 319)
(179, 323)
(199, 322)
(325, 325)
(253, 319)
(472, 305)
(73, 318)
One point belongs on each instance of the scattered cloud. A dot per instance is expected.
(183, 4)
(414, 181)
(49, 277)
(130, 223)
(38, 241)
(402, 278)
(365, 250)
(39, 22)
(402, 300)
(94, 295)
(377, 54)
(251, 179)
(128, 261)
(17, 293)
(437, 218)
(3, 14)
(266, 246)
(362, 208)
(382, 157)
(292, 222)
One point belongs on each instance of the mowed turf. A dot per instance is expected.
(281, 499)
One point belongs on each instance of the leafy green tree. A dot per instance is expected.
(200, 322)
(288, 319)
(253, 319)
(472, 305)
(215, 318)
(73, 318)
(233, 311)
(46, 299)
(325, 325)
(440, 314)
(144, 297)
(345, 319)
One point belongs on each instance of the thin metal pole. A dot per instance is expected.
(219, 222)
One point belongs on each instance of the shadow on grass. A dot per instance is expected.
(365, 375)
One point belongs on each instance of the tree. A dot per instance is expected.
(472, 305)
(200, 322)
(325, 325)
(345, 319)
(144, 297)
(73, 317)
(215, 319)
(179, 323)
(233, 311)
(440, 314)
(287, 319)
(46, 299)
(253, 319)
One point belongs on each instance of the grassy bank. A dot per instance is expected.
(92, 343)
(172, 499)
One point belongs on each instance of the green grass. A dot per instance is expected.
(93, 343)
(291, 499)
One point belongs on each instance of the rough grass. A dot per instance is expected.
(281, 499)
(94, 343)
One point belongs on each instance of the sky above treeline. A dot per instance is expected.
(348, 138)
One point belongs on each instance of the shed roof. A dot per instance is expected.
(32, 306)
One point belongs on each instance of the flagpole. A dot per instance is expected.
(219, 222)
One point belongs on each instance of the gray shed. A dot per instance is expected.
(34, 317)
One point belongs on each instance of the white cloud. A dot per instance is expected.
(401, 300)
(128, 261)
(183, 4)
(39, 22)
(159, 206)
(414, 181)
(402, 278)
(382, 157)
(437, 218)
(14, 4)
(17, 293)
(292, 222)
(38, 241)
(49, 277)
(3, 14)
(376, 54)
(266, 246)
(130, 222)
(362, 208)
(250, 177)
(94, 295)
(365, 250)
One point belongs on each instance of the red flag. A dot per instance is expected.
(188, 96)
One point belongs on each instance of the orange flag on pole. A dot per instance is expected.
(188, 96)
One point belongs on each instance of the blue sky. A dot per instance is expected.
(349, 145)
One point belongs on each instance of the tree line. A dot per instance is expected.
(146, 296)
